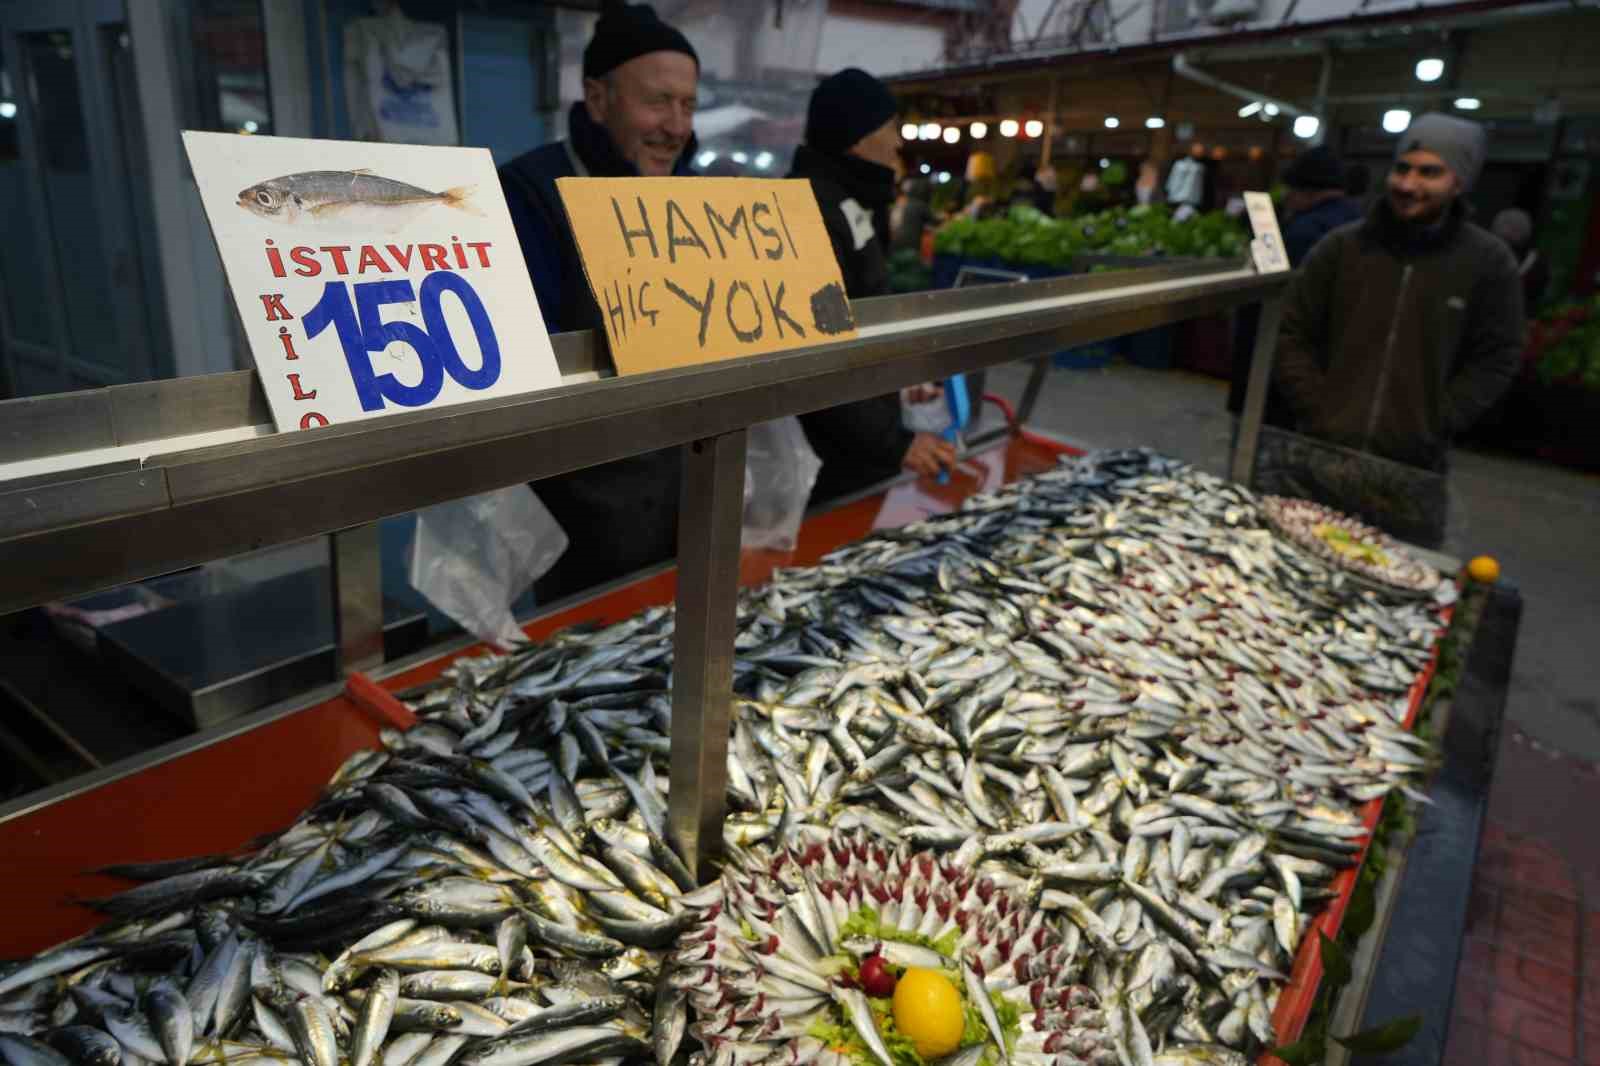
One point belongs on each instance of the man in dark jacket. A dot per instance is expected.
(1315, 205)
(852, 143)
(640, 77)
(1401, 330)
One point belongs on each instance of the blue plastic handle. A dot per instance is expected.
(960, 406)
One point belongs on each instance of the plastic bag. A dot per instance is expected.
(473, 557)
(779, 470)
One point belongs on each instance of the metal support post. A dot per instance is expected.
(710, 512)
(356, 565)
(1030, 391)
(1255, 393)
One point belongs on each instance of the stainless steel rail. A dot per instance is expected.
(114, 492)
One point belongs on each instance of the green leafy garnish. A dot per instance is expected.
(865, 922)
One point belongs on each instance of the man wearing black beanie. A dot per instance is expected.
(640, 80)
(850, 154)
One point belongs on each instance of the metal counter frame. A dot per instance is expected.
(115, 490)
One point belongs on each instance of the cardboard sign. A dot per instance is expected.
(1267, 249)
(371, 278)
(690, 270)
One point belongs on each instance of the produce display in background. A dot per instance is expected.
(908, 273)
(1566, 345)
(1028, 237)
(1078, 764)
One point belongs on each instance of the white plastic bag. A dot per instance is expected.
(473, 557)
(779, 470)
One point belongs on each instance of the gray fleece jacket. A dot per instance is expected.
(1394, 339)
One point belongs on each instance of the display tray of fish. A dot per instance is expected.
(1063, 777)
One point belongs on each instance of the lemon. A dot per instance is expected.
(928, 1012)
(1485, 569)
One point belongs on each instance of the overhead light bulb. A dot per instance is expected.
(8, 109)
(740, 157)
(705, 159)
(1430, 69)
(925, 168)
(930, 131)
(1272, 110)
(1008, 127)
(1306, 126)
(1112, 122)
(944, 177)
(1249, 109)
(250, 125)
(1104, 163)
(763, 160)
(1465, 103)
(1396, 121)
(1033, 127)
(910, 131)
(1154, 122)
(951, 135)
(979, 130)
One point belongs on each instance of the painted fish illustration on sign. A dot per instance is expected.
(323, 193)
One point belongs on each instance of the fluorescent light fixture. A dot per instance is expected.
(1112, 122)
(979, 130)
(1154, 122)
(1306, 126)
(250, 124)
(763, 160)
(910, 131)
(931, 131)
(1008, 128)
(1396, 121)
(1033, 127)
(8, 109)
(740, 157)
(951, 135)
(1465, 103)
(925, 168)
(1430, 69)
(1249, 109)
(705, 159)
(1272, 110)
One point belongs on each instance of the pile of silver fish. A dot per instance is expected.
(1108, 692)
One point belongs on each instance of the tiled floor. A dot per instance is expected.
(1528, 989)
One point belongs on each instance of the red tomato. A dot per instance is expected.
(876, 977)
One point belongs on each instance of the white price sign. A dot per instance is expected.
(1267, 249)
(371, 278)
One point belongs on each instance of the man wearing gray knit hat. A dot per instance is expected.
(1399, 332)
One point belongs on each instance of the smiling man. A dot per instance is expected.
(1399, 332)
(640, 79)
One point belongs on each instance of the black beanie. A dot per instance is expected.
(1315, 168)
(628, 31)
(845, 108)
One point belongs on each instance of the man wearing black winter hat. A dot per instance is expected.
(640, 79)
(850, 155)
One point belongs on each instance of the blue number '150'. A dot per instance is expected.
(362, 331)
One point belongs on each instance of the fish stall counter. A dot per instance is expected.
(218, 790)
(220, 796)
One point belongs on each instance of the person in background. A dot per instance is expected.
(1515, 227)
(1316, 202)
(1401, 330)
(1315, 205)
(1049, 184)
(850, 155)
(911, 216)
(640, 80)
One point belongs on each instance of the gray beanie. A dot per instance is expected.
(1461, 144)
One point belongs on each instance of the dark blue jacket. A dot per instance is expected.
(1302, 232)
(623, 516)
